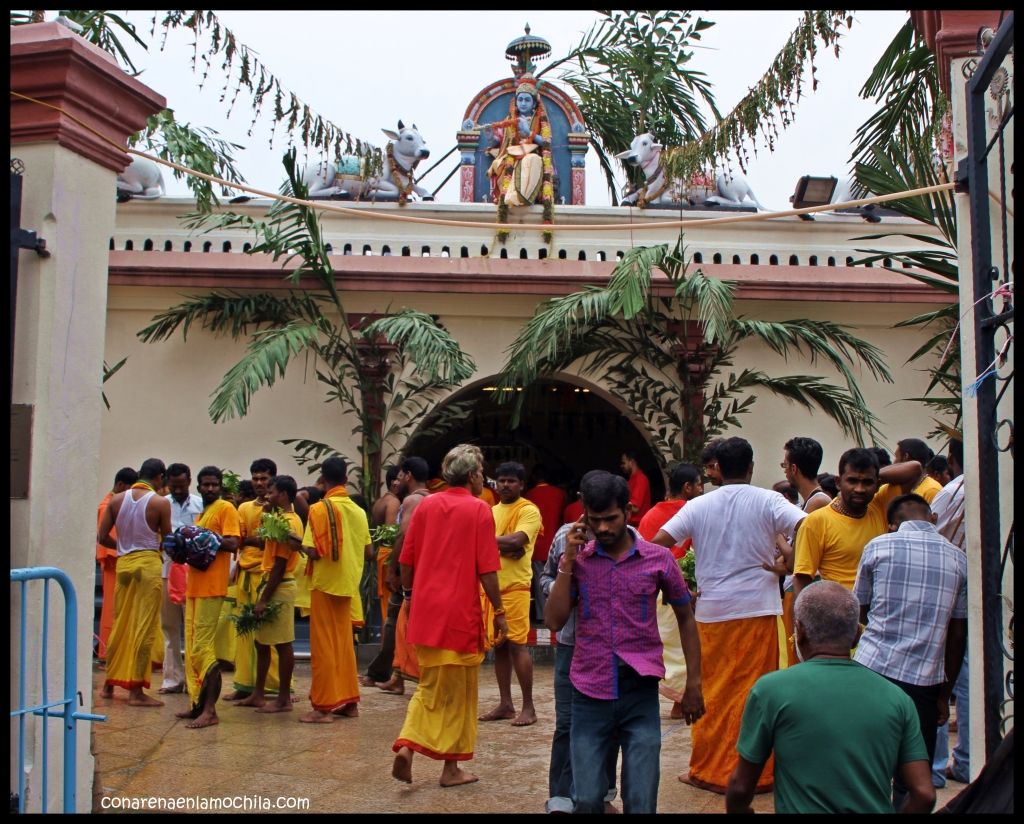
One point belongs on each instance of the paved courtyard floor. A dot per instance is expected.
(345, 767)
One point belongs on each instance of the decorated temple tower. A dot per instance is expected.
(569, 136)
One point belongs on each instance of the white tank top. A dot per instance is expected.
(133, 533)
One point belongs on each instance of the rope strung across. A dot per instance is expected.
(490, 227)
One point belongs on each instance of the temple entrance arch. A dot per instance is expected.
(567, 424)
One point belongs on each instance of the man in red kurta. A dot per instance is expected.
(449, 552)
(550, 500)
(107, 559)
(639, 487)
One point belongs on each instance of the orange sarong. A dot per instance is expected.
(383, 593)
(109, 567)
(734, 654)
(332, 653)
(405, 662)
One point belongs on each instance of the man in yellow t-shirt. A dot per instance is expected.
(830, 541)
(337, 541)
(280, 558)
(204, 592)
(914, 449)
(517, 523)
(248, 577)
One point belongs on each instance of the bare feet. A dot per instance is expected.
(402, 768)
(140, 699)
(499, 713)
(367, 681)
(350, 710)
(394, 686)
(187, 714)
(317, 717)
(235, 696)
(252, 701)
(525, 718)
(452, 776)
(207, 719)
(275, 707)
(107, 691)
(677, 711)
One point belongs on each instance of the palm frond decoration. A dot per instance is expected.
(662, 353)
(265, 360)
(895, 151)
(415, 360)
(435, 353)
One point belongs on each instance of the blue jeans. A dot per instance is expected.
(960, 767)
(560, 786)
(635, 716)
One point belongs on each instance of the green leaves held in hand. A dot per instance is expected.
(274, 526)
(688, 566)
(384, 535)
(246, 621)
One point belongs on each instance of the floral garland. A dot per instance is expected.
(397, 175)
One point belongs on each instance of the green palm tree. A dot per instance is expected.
(894, 152)
(385, 371)
(666, 345)
(631, 74)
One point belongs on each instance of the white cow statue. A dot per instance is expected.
(732, 190)
(645, 152)
(405, 149)
(140, 181)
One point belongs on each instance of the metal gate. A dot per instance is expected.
(49, 708)
(990, 153)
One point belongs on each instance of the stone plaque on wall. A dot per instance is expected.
(21, 448)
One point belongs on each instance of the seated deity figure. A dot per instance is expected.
(521, 173)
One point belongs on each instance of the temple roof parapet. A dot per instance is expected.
(149, 238)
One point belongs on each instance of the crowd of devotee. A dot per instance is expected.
(814, 642)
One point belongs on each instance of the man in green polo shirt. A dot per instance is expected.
(839, 731)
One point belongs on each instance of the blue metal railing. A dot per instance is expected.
(63, 708)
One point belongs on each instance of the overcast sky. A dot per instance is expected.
(364, 70)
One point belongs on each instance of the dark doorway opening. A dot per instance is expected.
(568, 428)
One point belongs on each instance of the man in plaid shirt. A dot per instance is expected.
(912, 588)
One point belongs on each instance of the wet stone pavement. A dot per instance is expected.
(257, 759)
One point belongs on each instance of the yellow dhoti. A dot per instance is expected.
(156, 651)
(332, 652)
(245, 646)
(226, 637)
(787, 648)
(516, 602)
(734, 654)
(201, 619)
(674, 682)
(282, 629)
(302, 586)
(137, 595)
(441, 720)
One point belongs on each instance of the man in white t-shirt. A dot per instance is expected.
(186, 508)
(734, 528)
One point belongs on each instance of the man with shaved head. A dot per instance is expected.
(838, 731)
